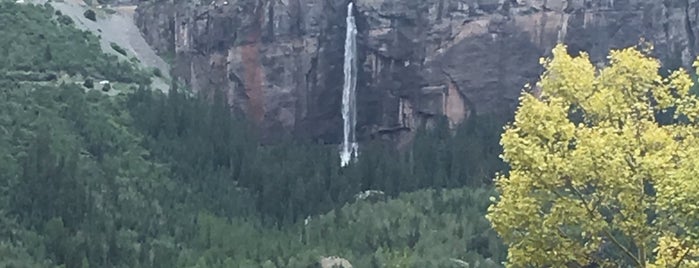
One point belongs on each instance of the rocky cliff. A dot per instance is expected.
(280, 61)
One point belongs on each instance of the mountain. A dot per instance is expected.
(280, 62)
(122, 174)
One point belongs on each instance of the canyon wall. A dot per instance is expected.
(280, 61)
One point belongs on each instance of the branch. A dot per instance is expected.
(630, 161)
(686, 252)
(606, 232)
(563, 234)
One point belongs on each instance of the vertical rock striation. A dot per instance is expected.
(281, 61)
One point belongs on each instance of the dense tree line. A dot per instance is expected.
(85, 182)
(202, 142)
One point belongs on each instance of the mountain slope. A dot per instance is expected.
(115, 25)
(140, 178)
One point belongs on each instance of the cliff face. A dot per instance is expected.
(280, 61)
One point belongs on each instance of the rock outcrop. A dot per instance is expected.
(334, 262)
(280, 61)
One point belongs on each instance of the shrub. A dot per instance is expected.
(30, 76)
(117, 48)
(90, 15)
(50, 77)
(89, 83)
(65, 20)
(106, 87)
(157, 72)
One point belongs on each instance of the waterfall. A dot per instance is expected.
(349, 105)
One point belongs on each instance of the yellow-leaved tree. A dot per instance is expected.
(604, 167)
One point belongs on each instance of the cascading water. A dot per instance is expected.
(349, 105)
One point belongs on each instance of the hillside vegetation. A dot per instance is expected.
(41, 41)
(137, 178)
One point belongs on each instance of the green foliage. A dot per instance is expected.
(423, 229)
(90, 15)
(28, 76)
(83, 190)
(73, 175)
(291, 180)
(89, 83)
(157, 72)
(64, 19)
(695, 85)
(86, 182)
(118, 48)
(42, 44)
